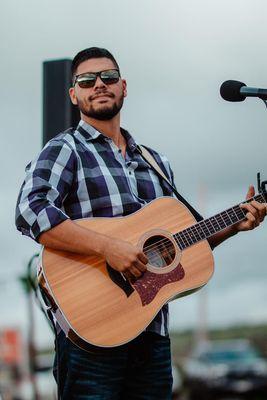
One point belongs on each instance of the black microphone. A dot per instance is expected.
(238, 91)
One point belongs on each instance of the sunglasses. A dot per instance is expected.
(88, 79)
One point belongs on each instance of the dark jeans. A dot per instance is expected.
(140, 369)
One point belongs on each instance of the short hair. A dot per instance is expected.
(87, 54)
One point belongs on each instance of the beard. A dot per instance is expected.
(103, 113)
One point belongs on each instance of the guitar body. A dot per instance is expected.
(96, 304)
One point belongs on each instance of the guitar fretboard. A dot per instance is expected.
(208, 227)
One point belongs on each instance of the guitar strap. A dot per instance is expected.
(154, 165)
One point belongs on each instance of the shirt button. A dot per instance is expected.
(119, 150)
(130, 173)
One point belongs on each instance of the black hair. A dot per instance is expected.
(91, 52)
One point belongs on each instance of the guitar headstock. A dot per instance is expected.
(262, 186)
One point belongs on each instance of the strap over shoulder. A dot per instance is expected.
(152, 162)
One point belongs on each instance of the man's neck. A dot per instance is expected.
(110, 128)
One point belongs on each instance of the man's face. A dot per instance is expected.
(102, 101)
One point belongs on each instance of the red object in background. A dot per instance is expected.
(10, 346)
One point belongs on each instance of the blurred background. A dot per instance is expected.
(174, 55)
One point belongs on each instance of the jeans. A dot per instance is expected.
(140, 369)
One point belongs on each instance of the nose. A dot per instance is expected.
(99, 83)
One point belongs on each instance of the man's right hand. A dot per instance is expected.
(126, 258)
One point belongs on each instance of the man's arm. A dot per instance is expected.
(120, 255)
(40, 215)
(256, 213)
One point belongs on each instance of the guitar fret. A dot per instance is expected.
(196, 233)
(222, 223)
(180, 241)
(234, 210)
(183, 236)
(226, 218)
(260, 198)
(215, 224)
(204, 228)
(189, 235)
(210, 226)
(201, 230)
(232, 215)
(183, 245)
(239, 212)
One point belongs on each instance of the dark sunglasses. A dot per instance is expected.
(88, 79)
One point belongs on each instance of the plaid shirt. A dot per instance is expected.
(81, 173)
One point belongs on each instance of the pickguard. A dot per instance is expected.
(148, 285)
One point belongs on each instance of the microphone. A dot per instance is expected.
(238, 91)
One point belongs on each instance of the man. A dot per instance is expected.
(96, 170)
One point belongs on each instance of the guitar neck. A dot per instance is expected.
(208, 227)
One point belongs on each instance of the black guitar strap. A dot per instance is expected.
(152, 162)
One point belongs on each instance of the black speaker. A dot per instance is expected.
(58, 111)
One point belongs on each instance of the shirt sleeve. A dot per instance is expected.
(47, 183)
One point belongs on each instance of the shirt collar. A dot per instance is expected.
(90, 133)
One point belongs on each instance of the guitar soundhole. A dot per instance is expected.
(159, 250)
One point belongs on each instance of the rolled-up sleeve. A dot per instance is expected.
(47, 183)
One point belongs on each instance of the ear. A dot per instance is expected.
(124, 87)
(73, 96)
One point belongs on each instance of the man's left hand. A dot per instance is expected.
(256, 212)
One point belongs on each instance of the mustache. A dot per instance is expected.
(101, 94)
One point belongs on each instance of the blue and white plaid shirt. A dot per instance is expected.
(81, 173)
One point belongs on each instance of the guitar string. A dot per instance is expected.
(153, 260)
(163, 242)
(187, 237)
(217, 215)
(167, 245)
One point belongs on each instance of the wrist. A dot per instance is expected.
(233, 230)
(102, 244)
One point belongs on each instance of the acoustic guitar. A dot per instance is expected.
(96, 306)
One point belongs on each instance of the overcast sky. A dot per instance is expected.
(174, 54)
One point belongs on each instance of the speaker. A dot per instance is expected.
(58, 111)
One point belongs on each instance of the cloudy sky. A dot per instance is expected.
(174, 54)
